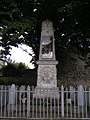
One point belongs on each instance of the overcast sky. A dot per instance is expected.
(21, 54)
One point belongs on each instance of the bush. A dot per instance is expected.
(9, 70)
(13, 69)
(17, 81)
(20, 68)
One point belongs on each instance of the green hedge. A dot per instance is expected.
(17, 81)
(13, 69)
(29, 77)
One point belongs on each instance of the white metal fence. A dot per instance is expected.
(18, 102)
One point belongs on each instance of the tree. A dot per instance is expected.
(13, 69)
(24, 17)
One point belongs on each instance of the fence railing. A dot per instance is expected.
(19, 102)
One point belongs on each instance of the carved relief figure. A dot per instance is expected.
(47, 47)
(47, 75)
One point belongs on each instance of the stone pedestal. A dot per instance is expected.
(47, 79)
(46, 93)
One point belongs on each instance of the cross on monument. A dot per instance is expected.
(47, 73)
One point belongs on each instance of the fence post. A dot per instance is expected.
(28, 101)
(62, 101)
(89, 98)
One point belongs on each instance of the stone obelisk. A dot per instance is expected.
(47, 72)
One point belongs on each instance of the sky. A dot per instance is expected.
(21, 54)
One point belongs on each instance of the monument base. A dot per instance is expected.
(46, 93)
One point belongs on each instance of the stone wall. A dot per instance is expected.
(72, 71)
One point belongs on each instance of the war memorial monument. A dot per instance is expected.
(47, 72)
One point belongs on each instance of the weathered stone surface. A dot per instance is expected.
(47, 76)
(47, 73)
(46, 92)
(47, 47)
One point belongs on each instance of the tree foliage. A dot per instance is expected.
(13, 69)
(24, 17)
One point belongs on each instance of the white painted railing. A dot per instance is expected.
(18, 102)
